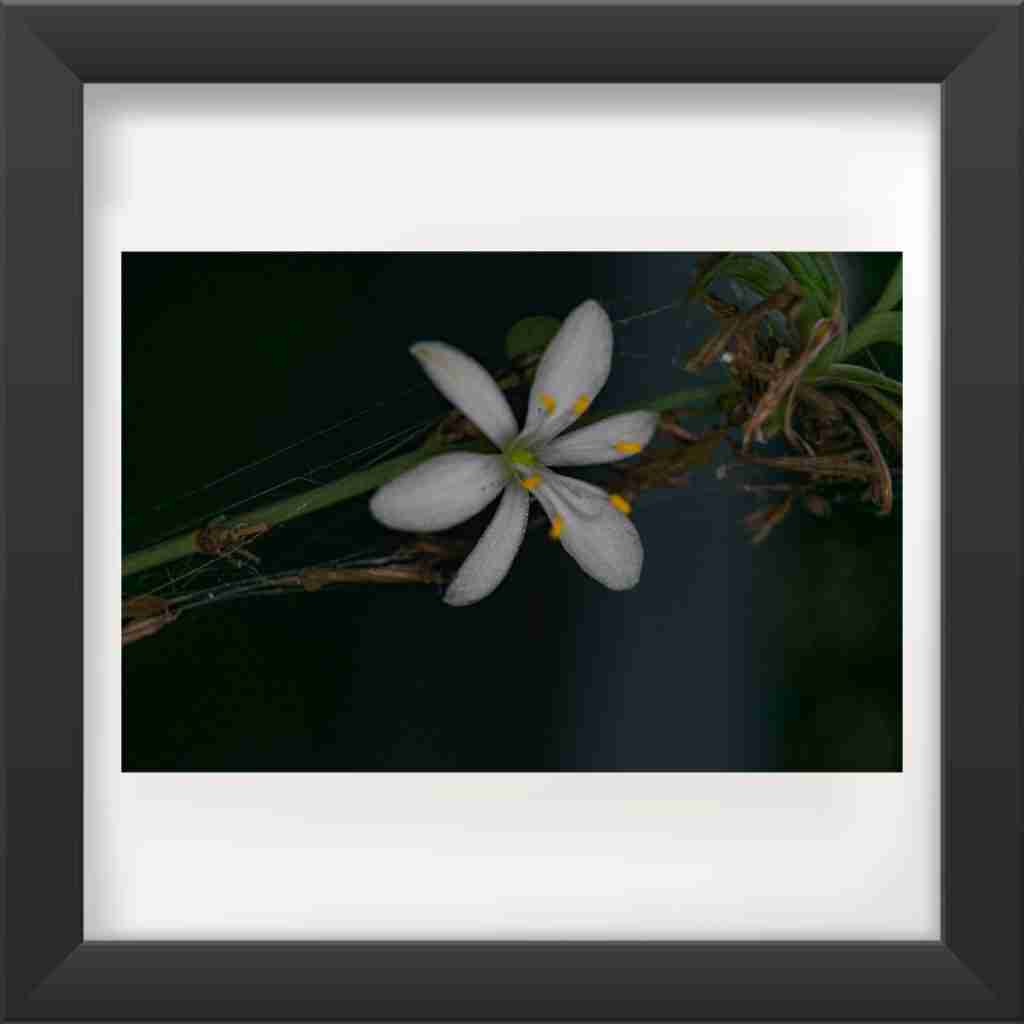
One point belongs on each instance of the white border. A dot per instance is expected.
(681, 168)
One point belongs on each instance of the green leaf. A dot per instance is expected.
(855, 376)
(760, 271)
(829, 272)
(873, 330)
(530, 335)
(685, 398)
(817, 303)
(892, 408)
(809, 275)
(893, 294)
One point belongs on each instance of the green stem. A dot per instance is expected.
(160, 554)
(695, 399)
(280, 511)
(355, 484)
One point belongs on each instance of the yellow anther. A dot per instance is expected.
(628, 447)
(548, 401)
(620, 503)
(556, 528)
(581, 405)
(531, 482)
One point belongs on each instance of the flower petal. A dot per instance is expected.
(443, 492)
(489, 562)
(612, 439)
(572, 371)
(469, 387)
(603, 540)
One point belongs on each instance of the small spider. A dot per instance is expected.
(223, 541)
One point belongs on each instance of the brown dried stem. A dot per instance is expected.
(787, 379)
(736, 324)
(847, 466)
(883, 482)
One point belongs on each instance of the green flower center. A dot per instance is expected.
(519, 457)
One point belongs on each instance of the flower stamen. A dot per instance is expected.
(620, 503)
(520, 457)
(530, 482)
(549, 403)
(556, 527)
(628, 447)
(581, 405)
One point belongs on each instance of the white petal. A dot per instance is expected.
(443, 492)
(572, 371)
(617, 437)
(602, 539)
(489, 562)
(469, 387)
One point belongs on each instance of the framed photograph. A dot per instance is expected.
(512, 513)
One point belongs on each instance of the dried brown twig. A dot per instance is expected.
(881, 486)
(739, 326)
(143, 616)
(419, 562)
(785, 380)
(834, 434)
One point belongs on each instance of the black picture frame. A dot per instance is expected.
(974, 51)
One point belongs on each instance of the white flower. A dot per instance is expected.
(593, 526)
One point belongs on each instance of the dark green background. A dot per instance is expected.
(726, 657)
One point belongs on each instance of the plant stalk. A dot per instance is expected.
(355, 484)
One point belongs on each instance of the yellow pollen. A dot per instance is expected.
(548, 401)
(530, 482)
(620, 503)
(581, 405)
(556, 528)
(627, 447)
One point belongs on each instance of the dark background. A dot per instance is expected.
(725, 657)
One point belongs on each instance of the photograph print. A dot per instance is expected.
(511, 512)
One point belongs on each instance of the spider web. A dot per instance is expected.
(340, 536)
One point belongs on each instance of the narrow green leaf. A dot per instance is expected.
(886, 403)
(894, 410)
(530, 335)
(846, 373)
(817, 290)
(873, 330)
(833, 281)
(815, 304)
(760, 271)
